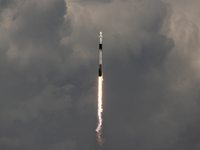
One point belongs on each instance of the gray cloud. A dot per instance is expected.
(49, 53)
(66, 144)
(9, 143)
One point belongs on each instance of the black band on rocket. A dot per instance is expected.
(100, 70)
(100, 46)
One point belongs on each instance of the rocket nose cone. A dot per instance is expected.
(100, 32)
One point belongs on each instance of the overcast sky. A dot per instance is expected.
(49, 72)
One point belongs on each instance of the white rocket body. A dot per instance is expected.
(100, 55)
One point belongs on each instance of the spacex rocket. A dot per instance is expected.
(100, 55)
(100, 92)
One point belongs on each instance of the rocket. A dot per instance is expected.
(100, 55)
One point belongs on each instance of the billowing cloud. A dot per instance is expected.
(48, 62)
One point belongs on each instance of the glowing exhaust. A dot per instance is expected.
(100, 110)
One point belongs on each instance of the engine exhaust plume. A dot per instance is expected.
(100, 110)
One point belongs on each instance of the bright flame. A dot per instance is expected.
(100, 110)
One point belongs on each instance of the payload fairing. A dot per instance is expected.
(100, 55)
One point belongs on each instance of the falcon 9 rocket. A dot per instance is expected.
(100, 94)
(100, 55)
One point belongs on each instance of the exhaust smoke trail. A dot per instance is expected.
(100, 110)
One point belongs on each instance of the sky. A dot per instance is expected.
(49, 74)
